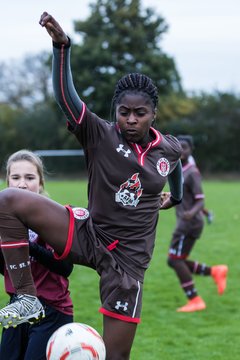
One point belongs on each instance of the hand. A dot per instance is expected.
(165, 202)
(53, 28)
(164, 196)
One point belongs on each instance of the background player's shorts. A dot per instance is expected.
(183, 239)
(121, 294)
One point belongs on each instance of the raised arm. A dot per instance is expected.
(64, 90)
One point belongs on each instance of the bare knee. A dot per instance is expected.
(116, 350)
(12, 199)
(172, 262)
(116, 354)
(7, 197)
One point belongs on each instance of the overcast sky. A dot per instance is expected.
(203, 36)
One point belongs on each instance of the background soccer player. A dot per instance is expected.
(188, 229)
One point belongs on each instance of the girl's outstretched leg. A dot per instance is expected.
(19, 211)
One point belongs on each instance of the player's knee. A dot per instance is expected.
(8, 198)
(122, 353)
(174, 262)
(118, 355)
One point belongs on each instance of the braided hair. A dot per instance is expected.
(135, 83)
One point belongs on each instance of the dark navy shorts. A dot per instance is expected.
(29, 342)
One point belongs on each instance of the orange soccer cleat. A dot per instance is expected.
(219, 274)
(195, 304)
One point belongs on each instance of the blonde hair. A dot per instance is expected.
(33, 159)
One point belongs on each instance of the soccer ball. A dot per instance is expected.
(75, 341)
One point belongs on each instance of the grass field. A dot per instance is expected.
(212, 334)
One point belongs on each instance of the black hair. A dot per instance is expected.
(136, 83)
(187, 138)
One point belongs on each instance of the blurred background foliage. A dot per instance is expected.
(118, 37)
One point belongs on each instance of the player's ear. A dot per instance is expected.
(154, 116)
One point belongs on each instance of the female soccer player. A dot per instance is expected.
(128, 162)
(25, 171)
(188, 229)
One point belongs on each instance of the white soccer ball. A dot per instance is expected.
(75, 341)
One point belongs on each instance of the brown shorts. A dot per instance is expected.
(121, 294)
(183, 240)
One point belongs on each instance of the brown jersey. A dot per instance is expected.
(125, 180)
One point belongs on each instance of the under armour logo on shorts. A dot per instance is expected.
(123, 306)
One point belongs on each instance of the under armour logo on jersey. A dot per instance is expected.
(123, 306)
(126, 152)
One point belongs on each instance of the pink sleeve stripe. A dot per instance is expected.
(82, 113)
(199, 196)
(62, 91)
(70, 236)
(119, 317)
(187, 166)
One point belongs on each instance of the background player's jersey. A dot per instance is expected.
(192, 191)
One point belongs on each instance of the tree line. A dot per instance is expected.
(118, 37)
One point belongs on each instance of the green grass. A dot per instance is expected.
(163, 333)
